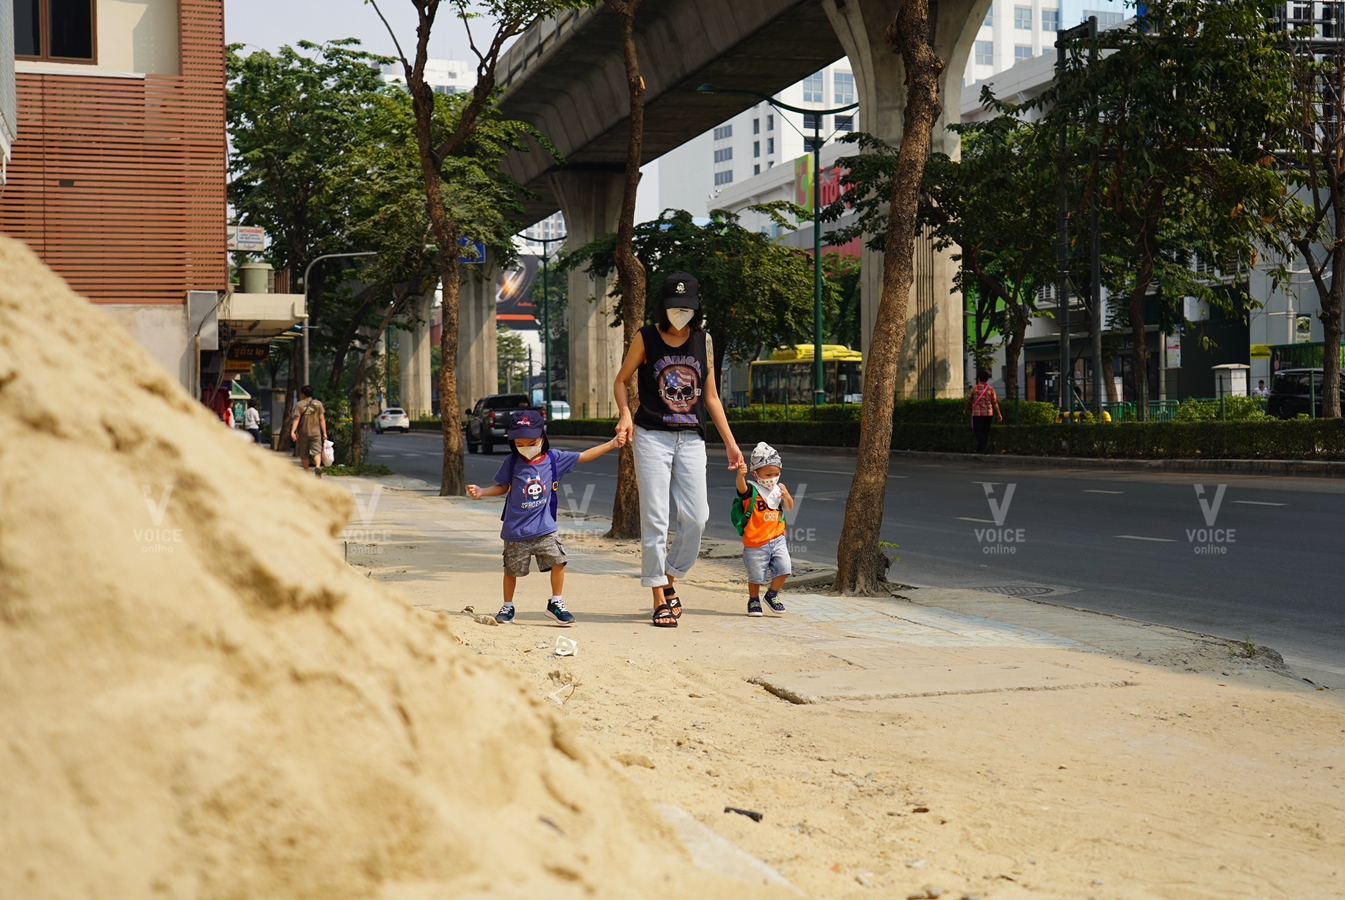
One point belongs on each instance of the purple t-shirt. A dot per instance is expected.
(527, 506)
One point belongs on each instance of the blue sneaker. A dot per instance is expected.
(557, 609)
(753, 606)
(505, 615)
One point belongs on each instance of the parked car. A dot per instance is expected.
(486, 423)
(392, 419)
(559, 410)
(1291, 395)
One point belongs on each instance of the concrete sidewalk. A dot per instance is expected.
(844, 719)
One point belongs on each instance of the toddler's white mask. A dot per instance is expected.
(769, 483)
(529, 451)
(680, 316)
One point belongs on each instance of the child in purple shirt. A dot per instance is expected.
(528, 479)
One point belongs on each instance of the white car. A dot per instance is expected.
(559, 410)
(392, 419)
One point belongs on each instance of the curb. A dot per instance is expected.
(1282, 467)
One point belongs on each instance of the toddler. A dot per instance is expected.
(758, 516)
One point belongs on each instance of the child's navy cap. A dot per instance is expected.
(526, 424)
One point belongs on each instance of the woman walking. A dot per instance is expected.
(674, 362)
(984, 405)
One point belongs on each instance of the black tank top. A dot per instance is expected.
(671, 381)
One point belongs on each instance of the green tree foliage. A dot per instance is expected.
(293, 117)
(511, 358)
(1318, 175)
(756, 295)
(846, 326)
(1180, 117)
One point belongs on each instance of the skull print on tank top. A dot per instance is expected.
(672, 383)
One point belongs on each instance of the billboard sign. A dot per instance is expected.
(246, 238)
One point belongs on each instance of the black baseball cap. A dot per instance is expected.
(679, 289)
(526, 424)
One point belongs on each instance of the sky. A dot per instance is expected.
(269, 24)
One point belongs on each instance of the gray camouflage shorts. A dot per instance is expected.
(547, 548)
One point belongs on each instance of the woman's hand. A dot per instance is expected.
(625, 426)
(735, 455)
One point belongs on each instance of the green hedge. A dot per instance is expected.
(1252, 439)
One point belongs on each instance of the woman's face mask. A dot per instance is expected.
(529, 451)
(680, 316)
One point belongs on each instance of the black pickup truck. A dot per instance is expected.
(486, 423)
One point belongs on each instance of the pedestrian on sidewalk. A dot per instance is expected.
(528, 480)
(252, 421)
(758, 515)
(984, 406)
(673, 361)
(309, 429)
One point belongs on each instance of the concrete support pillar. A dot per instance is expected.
(931, 360)
(413, 359)
(477, 368)
(591, 201)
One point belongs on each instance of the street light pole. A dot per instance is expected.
(546, 315)
(308, 269)
(819, 385)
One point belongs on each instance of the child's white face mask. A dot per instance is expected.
(679, 317)
(529, 451)
(769, 483)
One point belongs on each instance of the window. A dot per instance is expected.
(843, 83)
(756, 126)
(770, 145)
(989, 12)
(1022, 18)
(724, 155)
(1104, 17)
(808, 144)
(1021, 53)
(1050, 20)
(985, 53)
(770, 123)
(723, 178)
(756, 170)
(845, 123)
(724, 131)
(756, 149)
(54, 29)
(812, 88)
(812, 122)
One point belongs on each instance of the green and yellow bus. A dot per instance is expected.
(788, 376)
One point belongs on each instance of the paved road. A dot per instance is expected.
(1260, 557)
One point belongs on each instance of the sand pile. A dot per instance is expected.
(199, 699)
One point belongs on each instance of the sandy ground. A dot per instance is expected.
(1178, 784)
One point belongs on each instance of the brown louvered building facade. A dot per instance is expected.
(117, 179)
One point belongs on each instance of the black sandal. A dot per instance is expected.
(664, 618)
(674, 605)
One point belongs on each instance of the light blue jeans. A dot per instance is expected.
(671, 469)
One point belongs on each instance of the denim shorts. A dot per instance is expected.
(769, 560)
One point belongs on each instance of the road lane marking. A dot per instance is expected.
(1137, 537)
(968, 519)
(1086, 491)
(1259, 503)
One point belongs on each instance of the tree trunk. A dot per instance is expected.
(1331, 303)
(630, 271)
(1012, 351)
(860, 564)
